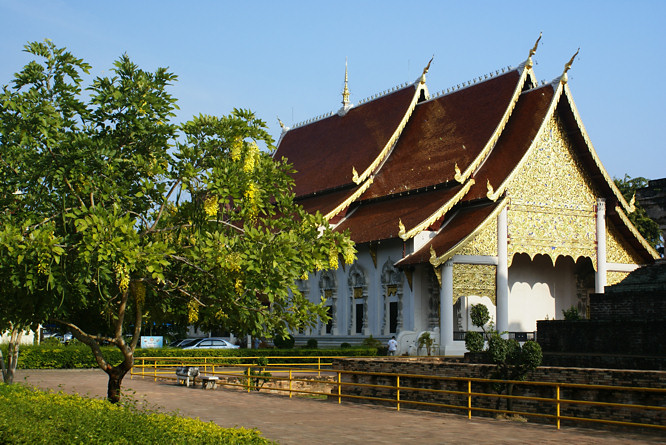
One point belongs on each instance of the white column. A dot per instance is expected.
(502, 291)
(446, 308)
(600, 279)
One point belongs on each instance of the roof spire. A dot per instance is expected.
(345, 92)
(529, 63)
(567, 67)
(346, 105)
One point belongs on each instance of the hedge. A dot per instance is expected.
(80, 356)
(29, 416)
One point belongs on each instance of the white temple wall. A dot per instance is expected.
(539, 291)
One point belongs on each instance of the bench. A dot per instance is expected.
(209, 381)
(185, 373)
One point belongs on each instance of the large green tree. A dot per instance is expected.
(645, 225)
(145, 216)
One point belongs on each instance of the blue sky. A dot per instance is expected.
(287, 58)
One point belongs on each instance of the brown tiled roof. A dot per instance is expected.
(442, 132)
(324, 152)
(457, 227)
(378, 220)
(516, 139)
(326, 202)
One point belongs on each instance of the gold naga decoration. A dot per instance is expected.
(529, 62)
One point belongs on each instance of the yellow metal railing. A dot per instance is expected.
(237, 372)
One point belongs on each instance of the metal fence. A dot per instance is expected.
(298, 375)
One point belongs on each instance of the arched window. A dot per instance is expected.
(358, 300)
(328, 289)
(392, 291)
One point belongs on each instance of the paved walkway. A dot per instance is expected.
(310, 421)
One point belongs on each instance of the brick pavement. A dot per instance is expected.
(309, 421)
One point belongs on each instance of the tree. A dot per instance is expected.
(150, 217)
(645, 225)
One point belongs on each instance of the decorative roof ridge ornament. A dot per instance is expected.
(401, 228)
(346, 105)
(282, 125)
(632, 204)
(564, 78)
(528, 63)
(422, 78)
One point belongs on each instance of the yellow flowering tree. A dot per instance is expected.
(125, 217)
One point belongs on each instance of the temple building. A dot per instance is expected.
(490, 192)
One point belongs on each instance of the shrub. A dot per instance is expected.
(371, 342)
(345, 345)
(74, 419)
(571, 314)
(474, 341)
(479, 315)
(284, 343)
(311, 344)
(426, 341)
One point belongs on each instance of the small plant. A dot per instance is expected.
(426, 341)
(258, 376)
(571, 314)
(371, 342)
(474, 341)
(312, 344)
(345, 345)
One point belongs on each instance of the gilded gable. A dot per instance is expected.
(552, 209)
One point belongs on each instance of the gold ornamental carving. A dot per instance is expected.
(552, 209)
(473, 279)
(484, 243)
(615, 277)
(618, 252)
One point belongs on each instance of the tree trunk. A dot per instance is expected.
(12, 355)
(116, 375)
(509, 400)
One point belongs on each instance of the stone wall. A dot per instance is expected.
(441, 367)
(628, 306)
(603, 337)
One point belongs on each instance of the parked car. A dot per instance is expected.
(211, 343)
(183, 342)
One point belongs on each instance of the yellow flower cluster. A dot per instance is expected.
(192, 311)
(236, 147)
(233, 262)
(122, 277)
(305, 275)
(41, 269)
(211, 206)
(251, 158)
(251, 195)
(349, 254)
(333, 256)
(239, 286)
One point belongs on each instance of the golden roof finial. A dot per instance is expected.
(533, 52)
(345, 92)
(425, 70)
(567, 67)
(282, 125)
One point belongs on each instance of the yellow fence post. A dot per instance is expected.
(557, 411)
(339, 388)
(469, 399)
(155, 370)
(318, 366)
(397, 385)
(248, 378)
(290, 383)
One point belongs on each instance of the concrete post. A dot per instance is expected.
(502, 295)
(600, 279)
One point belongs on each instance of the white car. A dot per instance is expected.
(211, 343)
